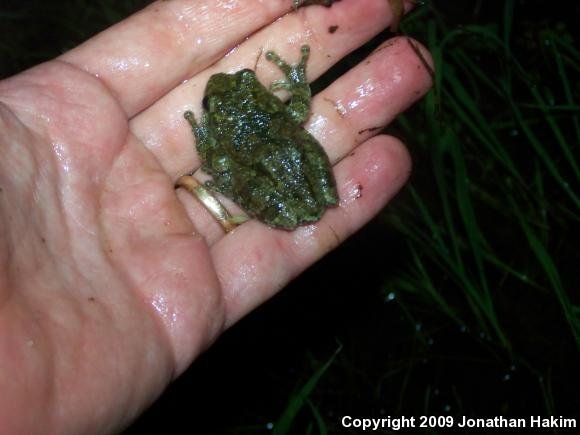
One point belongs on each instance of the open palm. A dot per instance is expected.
(111, 283)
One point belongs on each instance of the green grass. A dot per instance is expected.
(300, 400)
(490, 218)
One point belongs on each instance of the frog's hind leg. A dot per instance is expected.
(295, 82)
(320, 176)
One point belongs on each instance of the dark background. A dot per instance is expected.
(461, 298)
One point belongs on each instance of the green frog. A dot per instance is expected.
(255, 149)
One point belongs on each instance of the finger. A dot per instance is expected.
(368, 97)
(348, 112)
(162, 128)
(253, 263)
(143, 57)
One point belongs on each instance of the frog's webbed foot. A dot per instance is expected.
(294, 74)
(295, 82)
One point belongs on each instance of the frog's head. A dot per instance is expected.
(224, 87)
(222, 84)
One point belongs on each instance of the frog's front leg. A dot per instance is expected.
(295, 82)
(213, 162)
(213, 165)
(204, 143)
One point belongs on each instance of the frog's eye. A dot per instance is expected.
(247, 74)
(205, 103)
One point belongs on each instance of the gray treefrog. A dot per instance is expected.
(253, 146)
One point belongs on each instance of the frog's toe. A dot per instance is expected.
(272, 56)
(314, 217)
(190, 117)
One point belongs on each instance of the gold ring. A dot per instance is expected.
(209, 201)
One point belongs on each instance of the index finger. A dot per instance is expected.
(144, 56)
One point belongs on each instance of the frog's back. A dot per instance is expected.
(261, 157)
(244, 116)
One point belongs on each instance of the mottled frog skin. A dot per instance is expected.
(253, 146)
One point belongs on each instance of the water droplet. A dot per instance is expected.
(447, 408)
(514, 132)
(506, 377)
(270, 426)
(418, 327)
(390, 297)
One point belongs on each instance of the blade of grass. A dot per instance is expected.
(542, 152)
(428, 286)
(551, 271)
(439, 254)
(479, 125)
(558, 134)
(297, 402)
(546, 389)
(322, 429)
(438, 170)
(566, 86)
(476, 239)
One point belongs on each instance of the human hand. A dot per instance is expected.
(111, 282)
